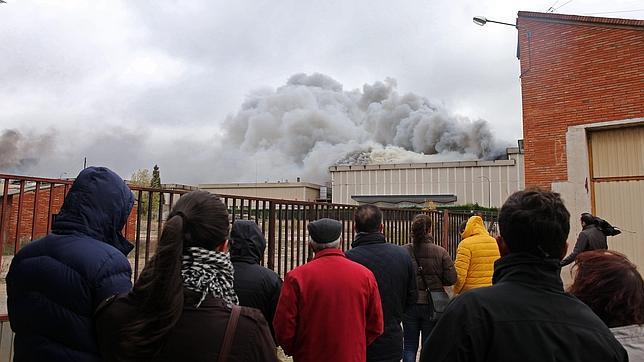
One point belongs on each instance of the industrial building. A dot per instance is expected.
(295, 191)
(487, 183)
(582, 82)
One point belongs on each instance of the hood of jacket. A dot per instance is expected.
(97, 205)
(474, 226)
(247, 242)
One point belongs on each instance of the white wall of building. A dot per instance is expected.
(468, 180)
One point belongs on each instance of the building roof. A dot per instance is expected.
(588, 20)
(392, 166)
(260, 185)
(397, 199)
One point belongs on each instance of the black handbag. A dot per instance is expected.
(438, 300)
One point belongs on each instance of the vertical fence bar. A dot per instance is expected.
(298, 258)
(16, 242)
(353, 224)
(264, 217)
(171, 201)
(51, 204)
(445, 236)
(160, 216)
(343, 235)
(4, 220)
(148, 227)
(292, 236)
(233, 209)
(279, 239)
(271, 235)
(137, 238)
(34, 218)
(257, 212)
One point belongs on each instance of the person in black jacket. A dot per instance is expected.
(256, 286)
(55, 283)
(525, 315)
(590, 238)
(396, 277)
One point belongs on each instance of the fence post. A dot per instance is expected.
(445, 236)
(271, 235)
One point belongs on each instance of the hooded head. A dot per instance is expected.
(474, 226)
(247, 242)
(97, 205)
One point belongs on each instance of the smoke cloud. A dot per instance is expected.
(296, 130)
(19, 153)
(311, 123)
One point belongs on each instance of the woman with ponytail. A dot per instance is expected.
(181, 306)
(434, 270)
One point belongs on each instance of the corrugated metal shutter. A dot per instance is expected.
(618, 186)
(618, 153)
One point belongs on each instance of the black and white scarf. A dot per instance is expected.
(209, 272)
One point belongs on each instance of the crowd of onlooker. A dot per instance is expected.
(204, 295)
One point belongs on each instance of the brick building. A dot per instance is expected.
(30, 212)
(582, 81)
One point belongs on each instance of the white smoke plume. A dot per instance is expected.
(311, 123)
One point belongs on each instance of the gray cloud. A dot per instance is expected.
(311, 123)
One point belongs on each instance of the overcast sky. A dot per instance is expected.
(132, 83)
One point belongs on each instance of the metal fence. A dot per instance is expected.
(28, 207)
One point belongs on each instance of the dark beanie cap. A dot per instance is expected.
(325, 231)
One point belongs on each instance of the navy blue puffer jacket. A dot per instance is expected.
(54, 284)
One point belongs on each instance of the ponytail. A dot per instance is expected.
(421, 225)
(158, 295)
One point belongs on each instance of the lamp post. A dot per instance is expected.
(489, 190)
(482, 20)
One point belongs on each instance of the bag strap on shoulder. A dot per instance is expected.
(420, 270)
(231, 327)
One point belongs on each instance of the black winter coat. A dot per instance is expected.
(525, 316)
(198, 335)
(396, 277)
(256, 286)
(54, 284)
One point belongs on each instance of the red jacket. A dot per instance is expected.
(329, 310)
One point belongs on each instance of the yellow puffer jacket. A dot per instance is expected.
(475, 257)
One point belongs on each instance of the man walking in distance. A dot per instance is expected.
(525, 315)
(393, 269)
(590, 238)
(329, 308)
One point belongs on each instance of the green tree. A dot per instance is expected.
(141, 177)
(157, 198)
(156, 178)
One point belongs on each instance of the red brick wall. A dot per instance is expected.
(43, 214)
(574, 73)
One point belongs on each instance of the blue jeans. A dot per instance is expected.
(415, 321)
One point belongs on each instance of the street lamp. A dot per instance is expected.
(482, 20)
(489, 190)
